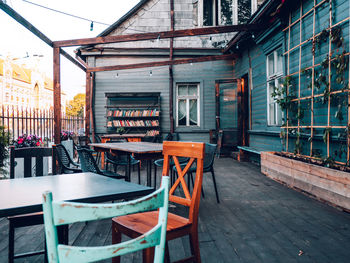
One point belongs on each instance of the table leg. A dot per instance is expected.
(128, 167)
(103, 140)
(149, 170)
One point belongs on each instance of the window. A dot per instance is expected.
(187, 104)
(274, 69)
(228, 12)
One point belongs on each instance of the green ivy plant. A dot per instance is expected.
(4, 142)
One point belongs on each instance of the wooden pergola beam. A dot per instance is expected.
(12, 13)
(163, 63)
(158, 35)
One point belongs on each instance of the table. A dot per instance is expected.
(140, 150)
(24, 195)
(131, 137)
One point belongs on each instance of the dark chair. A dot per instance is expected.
(208, 166)
(98, 156)
(159, 162)
(66, 164)
(88, 164)
(121, 160)
(83, 141)
(26, 219)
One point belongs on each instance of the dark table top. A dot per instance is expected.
(131, 147)
(24, 195)
(125, 135)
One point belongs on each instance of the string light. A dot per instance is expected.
(92, 26)
(150, 73)
(117, 75)
(158, 38)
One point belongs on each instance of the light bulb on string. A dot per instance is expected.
(117, 75)
(150, 73)
(92, 26)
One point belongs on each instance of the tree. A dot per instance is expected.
(76, 106)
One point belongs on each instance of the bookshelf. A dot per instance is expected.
(136, 113)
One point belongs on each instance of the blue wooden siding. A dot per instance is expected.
(266, 137)
(139, 80)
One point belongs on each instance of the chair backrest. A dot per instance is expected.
(210, 150)
(57, 213)
(120, 157)
(87, 161)
(62, 156)
(195, 151)
(97, 138)
(83, 141)
(27, 154)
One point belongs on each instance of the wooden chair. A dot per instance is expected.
(178, 226)
(26, 219)
(58, 213)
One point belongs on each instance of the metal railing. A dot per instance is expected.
(19, 121)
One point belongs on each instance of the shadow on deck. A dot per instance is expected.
(258, 220)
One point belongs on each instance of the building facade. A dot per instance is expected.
(24, 86)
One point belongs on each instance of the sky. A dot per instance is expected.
(17, 41)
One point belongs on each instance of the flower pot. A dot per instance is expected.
(325, 183)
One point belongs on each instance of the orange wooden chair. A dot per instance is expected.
(178, 226)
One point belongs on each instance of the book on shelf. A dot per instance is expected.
(109, 124)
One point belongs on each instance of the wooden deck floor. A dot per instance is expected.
(258, 220)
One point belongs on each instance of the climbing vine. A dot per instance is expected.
(318, 77)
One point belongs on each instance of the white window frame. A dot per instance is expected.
(188, 98)
(254, 7)
(274, 76)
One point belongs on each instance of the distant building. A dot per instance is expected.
(23, 86)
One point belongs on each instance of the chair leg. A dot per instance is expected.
(167, 255)
(216, 190)
(194, 242)
(116, 238)
(11, 248)
(138, 173)
(155, 175)
(148, 255)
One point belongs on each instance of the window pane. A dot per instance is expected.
(272, 120)
(271, 88)
(182, 120)
(244, 10)
(208, 12)
(226, 12)
(193, 112)
(182, 90)
(192, 90)
(279, 61)
(271, 65)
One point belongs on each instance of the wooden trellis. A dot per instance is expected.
(300, 98)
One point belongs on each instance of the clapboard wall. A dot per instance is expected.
(253, 54)
(139, 80)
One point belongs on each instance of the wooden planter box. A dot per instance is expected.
(327, 184)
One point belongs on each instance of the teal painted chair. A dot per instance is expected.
(58, 213)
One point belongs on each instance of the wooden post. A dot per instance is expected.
(57, 95)
(92, 111)
(171, 76)
(87, 104)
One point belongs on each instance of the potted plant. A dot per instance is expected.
(4, 139)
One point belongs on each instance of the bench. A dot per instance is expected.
(242, 149)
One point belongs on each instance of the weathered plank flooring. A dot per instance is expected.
(258, 220)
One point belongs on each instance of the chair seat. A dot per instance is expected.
(112, 174)
(138, 224)
(122, 162)
(160, 162)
